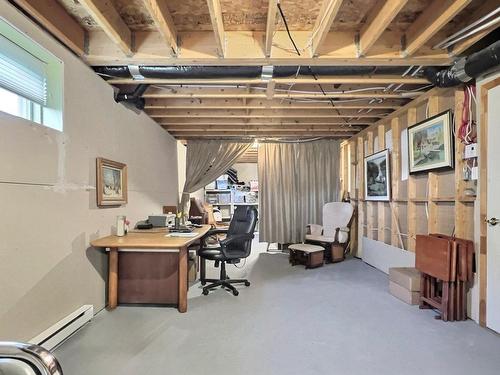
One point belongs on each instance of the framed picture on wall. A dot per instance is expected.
(111, 183)
(377, 181)
(430, 144)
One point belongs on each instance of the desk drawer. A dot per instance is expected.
(148, 277)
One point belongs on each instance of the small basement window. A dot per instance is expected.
(31, 79)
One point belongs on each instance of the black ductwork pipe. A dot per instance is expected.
(186, 72)
(466, 68)
(135, 98)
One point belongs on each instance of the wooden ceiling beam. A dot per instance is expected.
(217, 25)
(272, 12)
(163, 20)
(264, 108)
(261, 129)
(107, 17)
(260, 134)
(266, 123)
(433, 19)
(258, 113)
(245, 48)
(301, 80)
(263, 104)
(323, 24)
(379, 19)
(202, 95)
(52, 16)
(251, 116)
(487, 7)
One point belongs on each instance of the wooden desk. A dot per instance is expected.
(149, 242)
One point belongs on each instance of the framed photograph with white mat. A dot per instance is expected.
(377, 181)
(111, 183)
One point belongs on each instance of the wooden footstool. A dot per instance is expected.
(311, 256)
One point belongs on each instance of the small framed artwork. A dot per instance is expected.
(377, 181)
(430, 144)
(111, 183)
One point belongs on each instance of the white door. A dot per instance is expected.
(493, 211)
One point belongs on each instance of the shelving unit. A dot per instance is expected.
(223, 206)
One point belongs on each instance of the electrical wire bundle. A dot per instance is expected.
(467, 129)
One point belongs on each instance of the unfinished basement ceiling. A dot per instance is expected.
(331, 33)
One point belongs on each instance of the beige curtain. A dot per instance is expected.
(207, 160)
(295, 181)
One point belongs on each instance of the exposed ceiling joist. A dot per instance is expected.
(203, 95)
(271, 108)
(264, 104)
(218, 25)
(433, 19)
(245, 48)
(382, 15)
(104, 13)
(163, 20)
(332, 80)
(324, 22)
(51, 15)
(321, 129)
(333, 112)
(239, 124)
(305, 115)
(487, 7)
(272, 11)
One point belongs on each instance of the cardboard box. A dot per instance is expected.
(407, 277)
(411, 298)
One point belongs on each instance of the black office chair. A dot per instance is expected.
(232, 249)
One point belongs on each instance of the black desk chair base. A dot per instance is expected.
(224, 282)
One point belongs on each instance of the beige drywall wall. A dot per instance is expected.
(47, 194)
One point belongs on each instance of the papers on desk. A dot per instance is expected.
(179, 234)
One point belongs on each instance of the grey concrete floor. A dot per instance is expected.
(338, 319)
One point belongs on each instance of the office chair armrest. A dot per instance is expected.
(215, 231)
(235, 237)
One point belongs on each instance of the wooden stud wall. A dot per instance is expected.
(433, 202)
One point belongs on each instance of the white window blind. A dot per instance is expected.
(22, 73)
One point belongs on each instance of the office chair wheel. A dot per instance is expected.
(235, 292)
(247, 283)
(205, 292)
(203, 282)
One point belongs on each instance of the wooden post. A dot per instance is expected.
(434, 180)
(113, 278)
(351, 185)
(396, 179)
(370, 206)
(183, 279)
(412, 193)
(461, 216)
(381, 205)
(361, 194)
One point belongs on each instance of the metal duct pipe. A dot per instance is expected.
(466, 68)
(135, 98)
(186, 72)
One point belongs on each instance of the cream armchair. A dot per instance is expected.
(334, 233)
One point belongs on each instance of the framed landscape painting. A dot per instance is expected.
(430, 144)
(111, 183)
(377, 181)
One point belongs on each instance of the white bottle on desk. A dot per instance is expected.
(120, 225)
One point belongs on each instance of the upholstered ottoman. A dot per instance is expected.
(309, 255)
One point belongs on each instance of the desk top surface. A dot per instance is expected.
(149, 240)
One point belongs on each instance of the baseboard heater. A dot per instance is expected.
(55, 335)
